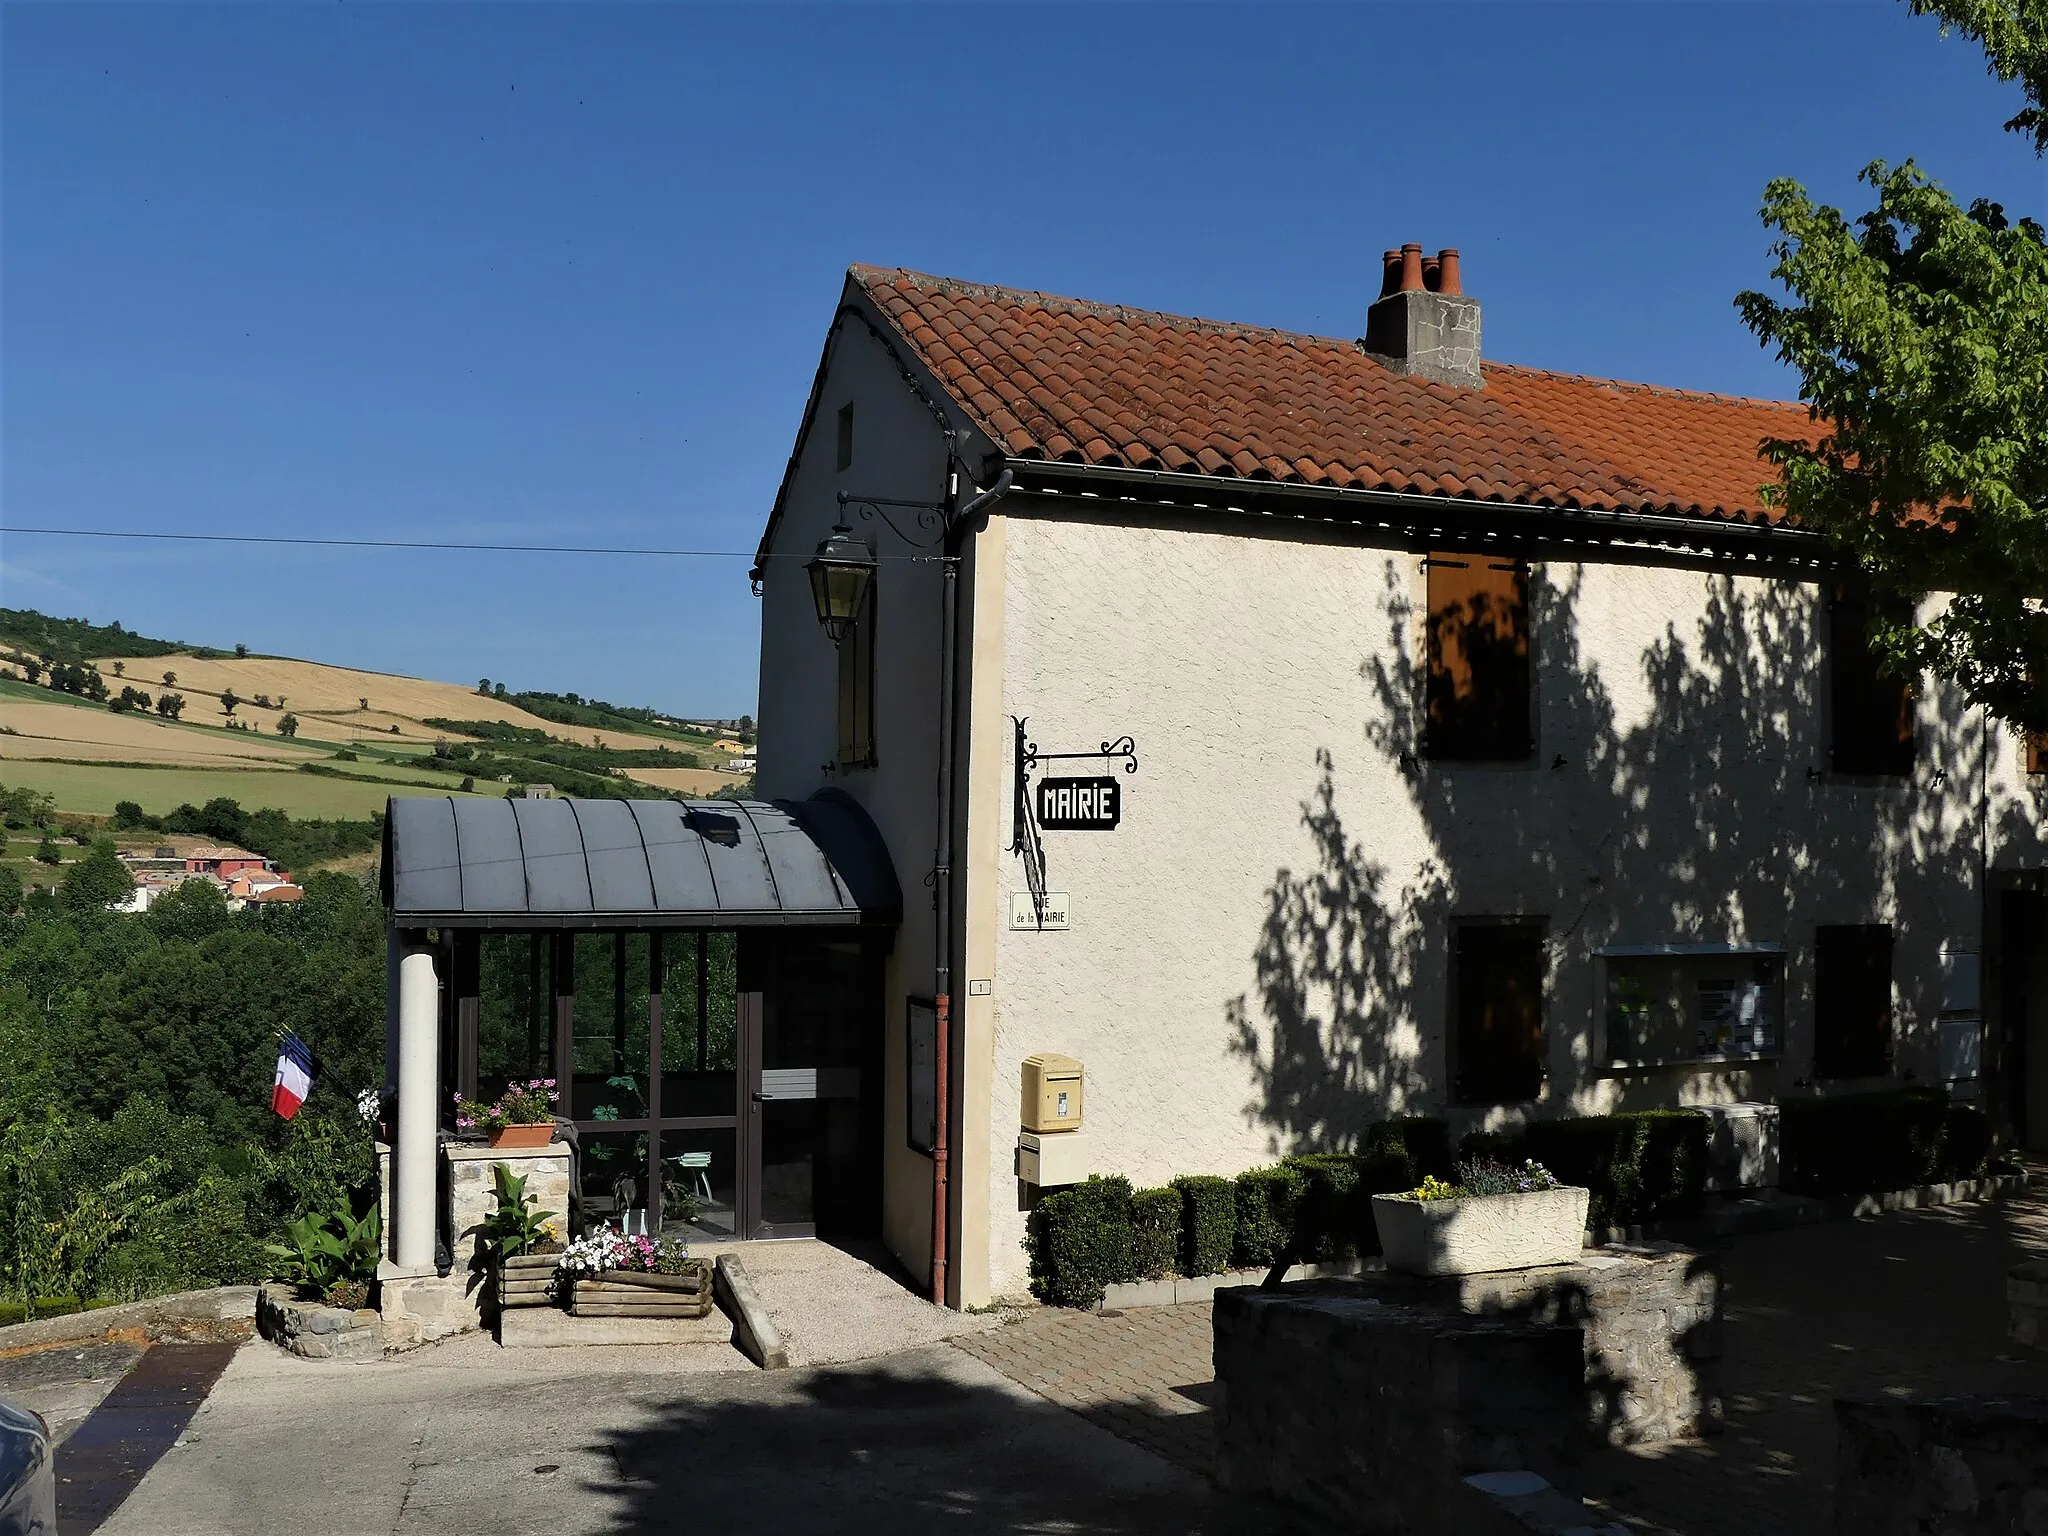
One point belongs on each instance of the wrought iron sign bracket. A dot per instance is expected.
(1085, 804)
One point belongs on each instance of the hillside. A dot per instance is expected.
(360, 735)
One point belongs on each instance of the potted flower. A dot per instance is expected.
(519, 1243)
(524, 1115)
(1494, 1217)
(619, 1276)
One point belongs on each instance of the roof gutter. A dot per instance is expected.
(1213, 493)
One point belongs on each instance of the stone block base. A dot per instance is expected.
(1372, 1415)
(418, 1309)
(317, 1332)
(1963, 1466)
(1650, 1315)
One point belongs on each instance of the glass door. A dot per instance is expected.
(806, 1111)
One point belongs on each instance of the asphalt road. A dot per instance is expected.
(489, 1442)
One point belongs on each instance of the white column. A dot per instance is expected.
(419, 1015)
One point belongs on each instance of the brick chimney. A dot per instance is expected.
(1422, 323)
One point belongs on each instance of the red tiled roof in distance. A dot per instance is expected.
(1085, 383)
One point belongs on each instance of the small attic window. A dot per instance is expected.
(843, 457)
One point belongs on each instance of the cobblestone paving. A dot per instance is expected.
(1143, 1374)
(1913, 1302)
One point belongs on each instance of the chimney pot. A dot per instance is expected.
(1411, 269)
(1422, 324)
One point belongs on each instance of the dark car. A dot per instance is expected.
(28, 1474)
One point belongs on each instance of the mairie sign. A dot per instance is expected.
(1079, 805)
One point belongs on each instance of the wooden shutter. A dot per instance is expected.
(857, 689)
(2036, 752)
(1852, 1001)
(1478, 681)
(1872, 714)
(1497, 987)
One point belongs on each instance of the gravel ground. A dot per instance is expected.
(837, 1303)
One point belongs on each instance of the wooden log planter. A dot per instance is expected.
(527, 1280)
(639, 1293)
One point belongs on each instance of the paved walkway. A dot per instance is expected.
(466, 1437)
(1906, 1303)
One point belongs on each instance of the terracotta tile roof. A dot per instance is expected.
(1086, 383)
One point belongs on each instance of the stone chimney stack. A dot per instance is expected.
(1422, 323)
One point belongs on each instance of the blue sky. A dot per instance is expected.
(529, 273)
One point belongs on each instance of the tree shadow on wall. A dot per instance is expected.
(1687, 804)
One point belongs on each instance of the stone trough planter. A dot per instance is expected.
(636, 1293)
(315, 1331)
(527, 1280)
(1478, 1234)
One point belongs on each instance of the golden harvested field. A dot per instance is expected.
(328, 700)
(84, 787)
(690, 781)
(61, 730)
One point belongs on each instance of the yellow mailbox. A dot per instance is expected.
(1052, 1093)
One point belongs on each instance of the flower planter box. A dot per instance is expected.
(1481, 1233)
(637, 1293)
(522, 1135)
(527, 1280)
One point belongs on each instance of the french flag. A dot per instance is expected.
(294, 1076)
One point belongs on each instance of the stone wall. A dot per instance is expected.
(1372, 1413)
(1650, 1317)
(1960, 1466)
(317, 1332)
(2026, 1299)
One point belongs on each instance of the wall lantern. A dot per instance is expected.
(840, 573)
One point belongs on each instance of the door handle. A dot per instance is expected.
(760, 1098)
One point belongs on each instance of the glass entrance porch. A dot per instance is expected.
(721, 1084)
(701, 983)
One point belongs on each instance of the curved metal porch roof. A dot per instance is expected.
(564, 863)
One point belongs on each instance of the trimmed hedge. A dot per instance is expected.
(1079, 1240)
(1266, 1198)
(1647, 1166)
(1424, 1142)
(1155, 1232)
(1650, 1165)
(1208, 1223)
(1868, 1143)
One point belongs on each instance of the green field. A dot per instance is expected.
(303, 796)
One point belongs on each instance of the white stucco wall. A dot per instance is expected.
(899, 454)
(1258, 957)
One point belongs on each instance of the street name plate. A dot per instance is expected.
(1025, 913)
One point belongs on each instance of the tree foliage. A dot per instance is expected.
(1920, 334)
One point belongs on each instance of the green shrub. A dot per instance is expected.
(1495, 1146)
(1641, 1167)
(1331, 1212)
(1266, 1198)
(1155, 1232)
(1079, 1241)
(1208, 1223)
(1423, 1141)
(1868, 1143)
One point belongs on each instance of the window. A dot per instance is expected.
(1872, 724)
(1852, 1001)
(1497, 1010)
(1477, 693)
(842, 457)
(2034, 752)
(857, 689)
(1685, 1004)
